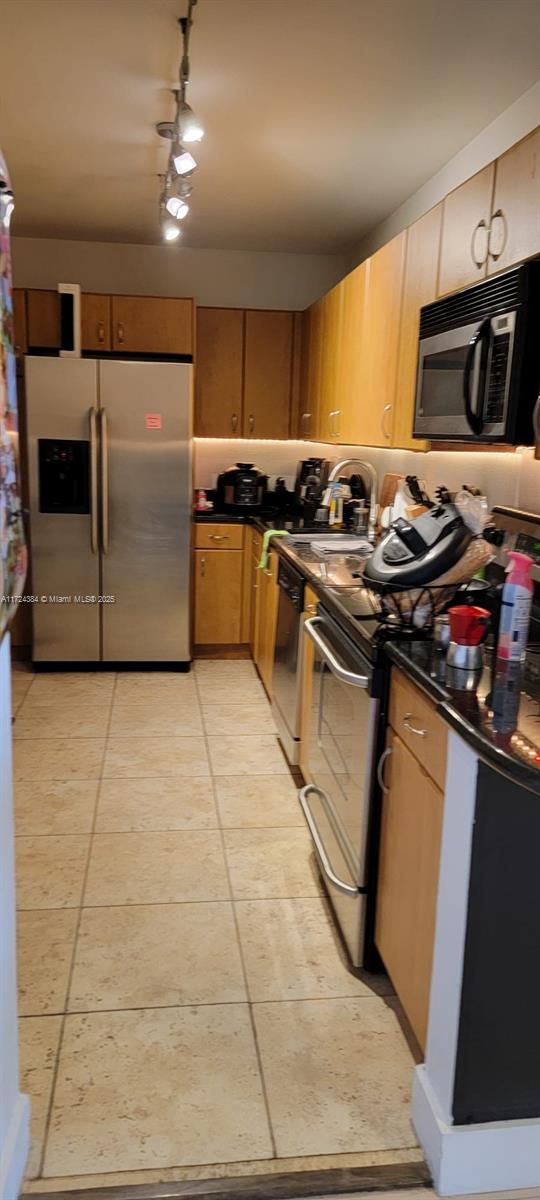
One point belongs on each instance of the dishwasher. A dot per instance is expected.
(338, 800)
(287, 668)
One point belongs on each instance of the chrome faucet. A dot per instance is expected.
(371, 473)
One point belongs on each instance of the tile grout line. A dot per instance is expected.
(238, 938)
(54, 1080)
(84, 1012)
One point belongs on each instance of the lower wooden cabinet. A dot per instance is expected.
(218, 597)
(253, 554)
(265, 620)
(412, 813)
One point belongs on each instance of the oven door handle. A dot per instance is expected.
(334, 879)
(483, 338)
(336, 668)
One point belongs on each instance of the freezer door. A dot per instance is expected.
(61, 402)
(146, 489)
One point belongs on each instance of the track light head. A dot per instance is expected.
(170, 229)
(177, 207)
(183, 161)
(189, 127)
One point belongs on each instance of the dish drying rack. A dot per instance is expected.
(409, 610)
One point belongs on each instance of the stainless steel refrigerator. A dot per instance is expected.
(110, 479)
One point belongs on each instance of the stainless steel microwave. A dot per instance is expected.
(478, 374)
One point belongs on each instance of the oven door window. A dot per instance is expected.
(343, 729)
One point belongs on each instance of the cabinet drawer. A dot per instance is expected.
(214, 536)
(419, 726)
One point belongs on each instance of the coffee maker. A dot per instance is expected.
(241, 488)
(311, 477)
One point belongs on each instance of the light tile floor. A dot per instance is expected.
(184, 1001)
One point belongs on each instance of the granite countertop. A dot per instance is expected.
(499, 716)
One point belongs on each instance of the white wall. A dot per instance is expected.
(14, 1108)
(507, 478)
(508, 128)
(232, 278)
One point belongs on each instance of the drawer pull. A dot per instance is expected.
(380, 768)
(412, 728)
(219, 537)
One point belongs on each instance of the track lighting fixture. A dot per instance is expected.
(185, 129)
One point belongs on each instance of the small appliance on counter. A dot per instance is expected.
(469, 627)
(242, 488)
(311, 477)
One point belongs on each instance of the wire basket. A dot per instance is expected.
(410, 610)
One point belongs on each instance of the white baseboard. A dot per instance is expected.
(14, 1152)
(494, 1157)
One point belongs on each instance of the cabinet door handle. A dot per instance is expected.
(120, 333)
(413, 728)
(334, 413)
(251, 422)
(479, 262)
(385, 412)
(305, 422)
(234, 422)
(380, 768)
(498, 215)
(101, 332)
(203, 566)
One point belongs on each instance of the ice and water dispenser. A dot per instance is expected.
(63, 475)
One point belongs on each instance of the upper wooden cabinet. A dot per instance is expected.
(371, 423)
(267, 374)
(43, 319)
(152, 325)
(465, 232)
(419, 288)
(351, 375)
(329, 404)
(515, 220)
(312, 352)
(219, 372)
(246, 376)
(95, 321)
(19, 324)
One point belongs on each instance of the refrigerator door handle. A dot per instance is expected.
(92, 421)
(104, 481)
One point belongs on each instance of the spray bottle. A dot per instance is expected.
(515, 608)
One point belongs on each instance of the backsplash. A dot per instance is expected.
(511, 478)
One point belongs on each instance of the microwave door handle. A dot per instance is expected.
(482, 338)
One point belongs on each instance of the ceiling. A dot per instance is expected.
(321, 116)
